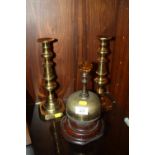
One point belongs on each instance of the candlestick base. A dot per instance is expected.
(52, 113)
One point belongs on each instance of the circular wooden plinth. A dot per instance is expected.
(81, 134)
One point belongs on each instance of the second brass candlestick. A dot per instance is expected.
(102, 78)
(52, 107)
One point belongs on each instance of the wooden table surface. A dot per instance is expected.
(114, 142)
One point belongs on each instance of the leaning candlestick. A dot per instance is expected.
(52, 107)
(102, 78)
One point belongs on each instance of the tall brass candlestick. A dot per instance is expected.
(102, 79)
(52, 107)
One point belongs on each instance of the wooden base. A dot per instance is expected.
(81, 134)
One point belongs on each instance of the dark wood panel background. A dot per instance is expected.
(76, 24)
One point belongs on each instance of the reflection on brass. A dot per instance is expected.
(102, 78)
(51, 107)
(82, 123)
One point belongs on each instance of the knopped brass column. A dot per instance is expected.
(51, 107)
(102, 78)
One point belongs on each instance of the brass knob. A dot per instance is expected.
(85, 67)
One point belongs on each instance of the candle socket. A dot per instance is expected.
(52, 107)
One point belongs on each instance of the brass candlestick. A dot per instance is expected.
(102, 78)
(52, 107)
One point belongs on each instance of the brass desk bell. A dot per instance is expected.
(52, 107)
(102, 78)
(82, 123)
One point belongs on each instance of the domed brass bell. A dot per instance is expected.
(82, 123)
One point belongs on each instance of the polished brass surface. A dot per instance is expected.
(102, 78)
(85, 68)
(84, 100)
(82, 123)
(102, 71)
(92, 103)
(51, 107)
